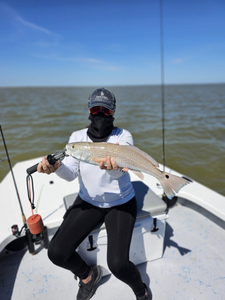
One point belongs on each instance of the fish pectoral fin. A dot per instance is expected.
(98, 160)
(139, 174)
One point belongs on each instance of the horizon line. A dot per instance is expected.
(110, 85)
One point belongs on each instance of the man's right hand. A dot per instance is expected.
(45, 167)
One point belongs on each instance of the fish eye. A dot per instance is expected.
(73, 146)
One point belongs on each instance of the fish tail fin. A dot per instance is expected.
(172, 184)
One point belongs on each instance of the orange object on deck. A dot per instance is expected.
(35, 224)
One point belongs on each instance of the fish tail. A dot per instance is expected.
(172, 184)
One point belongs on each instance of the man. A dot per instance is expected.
(106, 195)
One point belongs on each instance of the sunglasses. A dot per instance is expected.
(96, 109)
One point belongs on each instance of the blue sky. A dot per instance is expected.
(110, 42)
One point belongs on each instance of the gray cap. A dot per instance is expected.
(102, 97)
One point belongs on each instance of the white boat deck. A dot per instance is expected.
(192, 267)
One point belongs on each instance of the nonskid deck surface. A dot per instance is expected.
(192, 267)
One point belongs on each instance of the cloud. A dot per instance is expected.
(91, 62)
(32, 25)
(11, 15)
(98, 63)
(177, 61)
(42, 44)
(54, 56)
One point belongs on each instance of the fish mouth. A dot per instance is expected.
(67, 153)
(67, 150)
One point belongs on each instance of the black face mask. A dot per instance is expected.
(100, 128)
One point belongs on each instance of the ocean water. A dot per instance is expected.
(38, 121)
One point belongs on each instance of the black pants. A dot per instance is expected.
(79, 221)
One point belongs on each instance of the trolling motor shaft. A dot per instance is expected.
(52, 159)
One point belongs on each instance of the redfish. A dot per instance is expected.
(126, 156)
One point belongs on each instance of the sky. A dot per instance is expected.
(111, 42)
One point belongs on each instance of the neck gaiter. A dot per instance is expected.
(100, 128)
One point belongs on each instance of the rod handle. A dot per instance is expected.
(32, 169)
(52, 159)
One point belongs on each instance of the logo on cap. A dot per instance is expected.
(102, 97)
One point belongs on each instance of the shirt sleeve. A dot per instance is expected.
(69, 169)
(125, 138)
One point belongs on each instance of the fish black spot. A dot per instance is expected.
(167, 176)
(73, 146)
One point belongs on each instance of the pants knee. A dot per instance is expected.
(56, 256)
(118, 266)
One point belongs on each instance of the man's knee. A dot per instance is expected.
(118, 266)
(56, 255)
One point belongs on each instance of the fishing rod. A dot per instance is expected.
(14, 180)
(162, 81)
(35, 231)
(168, 202)
(52, 159)
(35, 222)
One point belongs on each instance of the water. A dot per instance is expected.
(38, 121)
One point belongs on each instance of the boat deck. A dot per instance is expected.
(192, 266)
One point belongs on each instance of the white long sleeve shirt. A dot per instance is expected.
(102, 188)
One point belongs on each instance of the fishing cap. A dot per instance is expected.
(102, 97)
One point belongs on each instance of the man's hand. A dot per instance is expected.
(45, 167)
(111, 165)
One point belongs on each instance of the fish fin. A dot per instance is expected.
(139, 174)
(144, 154)
(172, 183)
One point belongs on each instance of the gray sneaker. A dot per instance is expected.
(86, 290)
(148, 296)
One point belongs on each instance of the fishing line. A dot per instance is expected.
(162, 81)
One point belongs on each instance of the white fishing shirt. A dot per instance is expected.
(102, 188)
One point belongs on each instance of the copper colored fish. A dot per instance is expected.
(126, 156)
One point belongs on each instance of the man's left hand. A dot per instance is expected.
(110, 165)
